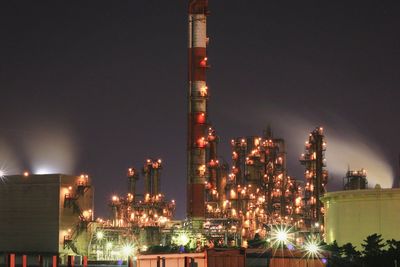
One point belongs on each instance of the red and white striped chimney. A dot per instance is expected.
(197, 102)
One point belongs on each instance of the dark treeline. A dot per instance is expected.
(375, 253)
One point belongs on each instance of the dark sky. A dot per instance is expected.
(98, 86)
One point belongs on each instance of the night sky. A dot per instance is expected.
(99, 86)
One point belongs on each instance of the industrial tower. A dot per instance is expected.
(197, 110)
(316, 176)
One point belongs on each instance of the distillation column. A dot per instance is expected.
(132, 179)
(317, 177)
(197, 109)
(151, 171)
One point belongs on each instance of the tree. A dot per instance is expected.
(335, 258)
(393, 251)
(352, 257)
(373, 250)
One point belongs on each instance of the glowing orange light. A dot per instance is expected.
(203, 62)
(201, 117)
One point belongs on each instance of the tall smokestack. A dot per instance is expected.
(197, 109)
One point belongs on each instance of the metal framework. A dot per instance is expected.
(316, 176)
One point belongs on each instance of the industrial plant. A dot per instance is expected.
(229, 204)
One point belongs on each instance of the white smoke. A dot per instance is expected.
(51, 150)
(346, 149)
(9, 163)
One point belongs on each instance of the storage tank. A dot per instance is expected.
(353, 215)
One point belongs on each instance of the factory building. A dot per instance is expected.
(45, 214)
(232, 205)
(138, 220)
(355, 180)
(352, 215)
(226, 206)
(260, 191)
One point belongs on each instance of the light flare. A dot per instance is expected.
(312, 248)
(128, 250)
(181, 239)
(281, 235)
(100, 235)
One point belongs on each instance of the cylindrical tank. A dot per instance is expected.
(352, 215)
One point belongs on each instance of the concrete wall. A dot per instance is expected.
(29, 213)
(33, 218)
(353, 215)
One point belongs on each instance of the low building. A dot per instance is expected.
(352, 215)
(45, 214)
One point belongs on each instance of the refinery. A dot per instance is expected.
(229, 204)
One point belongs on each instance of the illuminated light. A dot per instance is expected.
(69, 188)
(86, 214)
(201, 117)
(203, 63)
(109, 245)
(100, 235)
(182, 239)
(2, 173)
(201, 142)
(281, 235)
(202, 170)
(114, 198)
(313, 248)
(203, 92)
(234, 213)
(128, 250)
(26, 174)
(42, 170)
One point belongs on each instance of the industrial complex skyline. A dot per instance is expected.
(97, 87)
